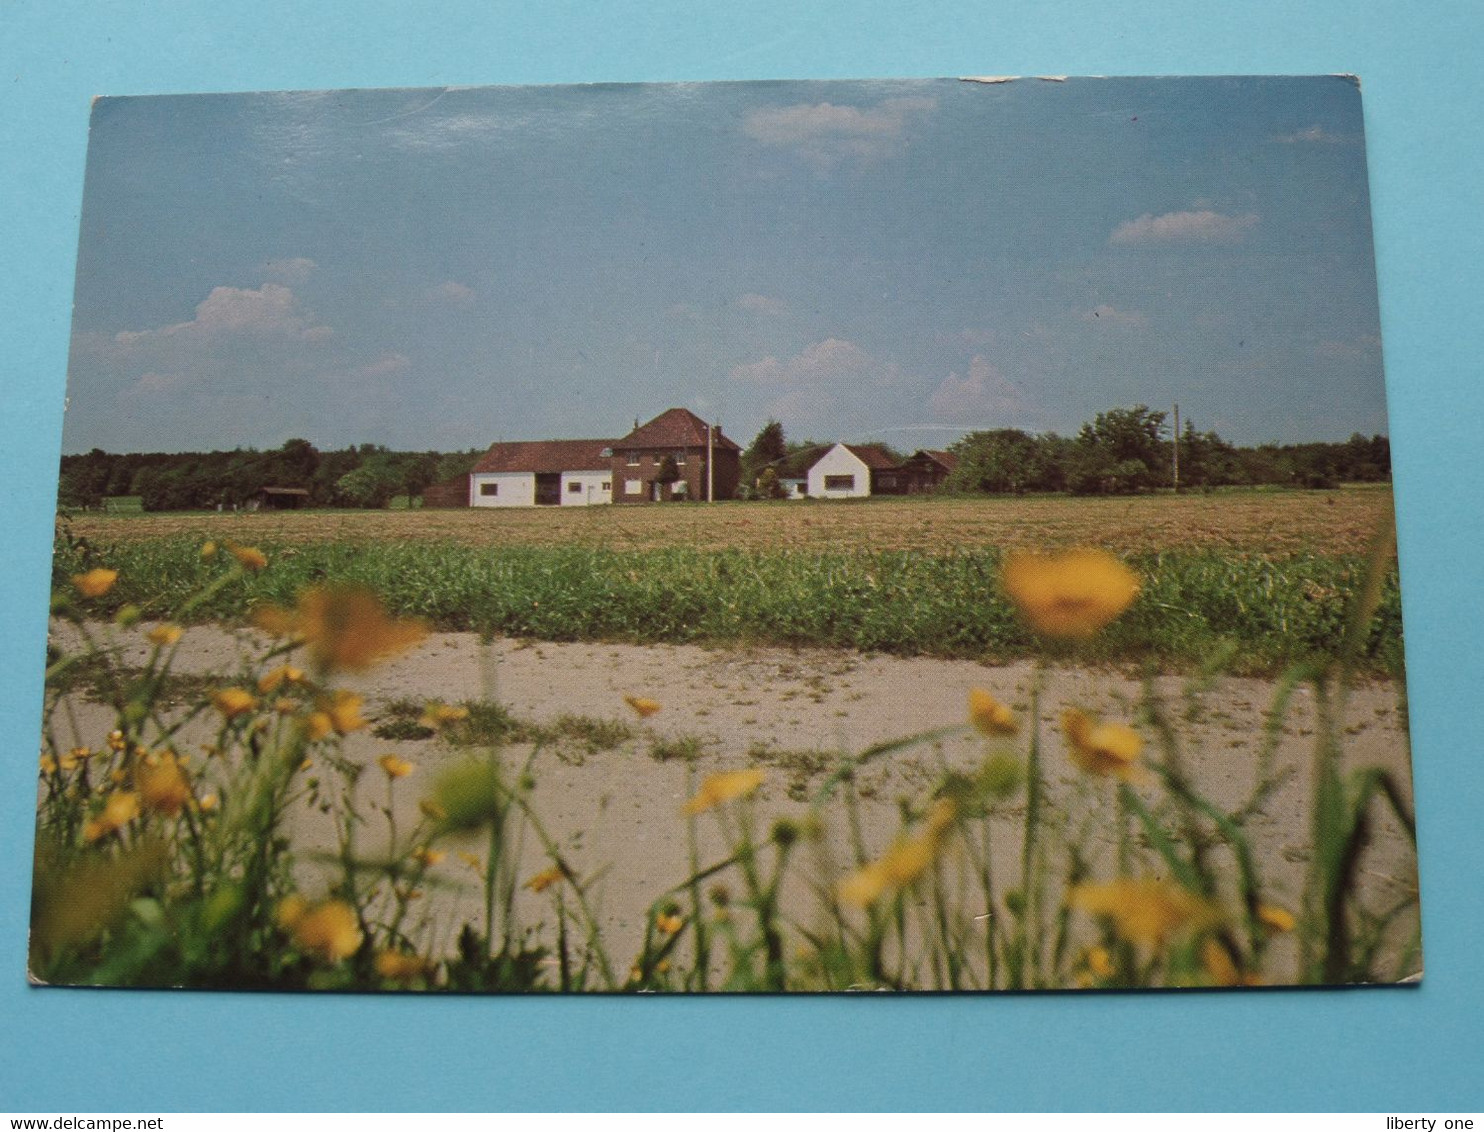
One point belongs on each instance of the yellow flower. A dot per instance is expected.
(1145, 911)
(901, 865)
(329, 929)
(1071, 594)
(1099, 962)
(339, 712)
(724, 787)
(437, 715)
(668, 922)
(116, 741)
(208, 550)
(643, 708)
(343, 626)
(48, 765)
(432, 810)
(291, 909)
(1101, 748)
(399, 966)
(395, 767)
(472, 861)
(1218, 964)
(250, 557)
(161, 784)
(209, 803)
(546, 878)
(96, 582)
(989, 715)
(1275, 919)
(232, 702)
(121, 808)
(270, 682)
(427, 857)
(163, 635)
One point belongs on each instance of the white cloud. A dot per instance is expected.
(1312, 135)
(152, 382)
(1361, 346)
(984, 395)
(270, 312)
(1105, 314)
(830, 360)
(389, 362)
(292, 271)
(453, 293)
(827, 134)
(1200, 227)
(761, 304)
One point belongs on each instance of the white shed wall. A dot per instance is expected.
(839, 461)
(516, 489)
(590, 488)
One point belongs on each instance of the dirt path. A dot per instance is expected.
(792, 712)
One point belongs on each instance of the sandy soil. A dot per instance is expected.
(621, 808)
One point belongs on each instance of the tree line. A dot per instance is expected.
(366, 475)
(1119, 452)
(1125, 451)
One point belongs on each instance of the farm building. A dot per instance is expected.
(666, 458)
(925, 470)
(675, 444)
(527, 473)
(279, 499)
(853, 471)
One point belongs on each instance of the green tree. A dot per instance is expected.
(768, 448)
(1121, 451)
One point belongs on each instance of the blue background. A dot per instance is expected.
(1368, 1050)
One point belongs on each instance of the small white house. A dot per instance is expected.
(553, 473)
(848, 471)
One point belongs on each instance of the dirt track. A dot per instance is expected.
(622, 807)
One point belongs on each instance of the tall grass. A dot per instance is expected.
(1269, 612)
(156, 866)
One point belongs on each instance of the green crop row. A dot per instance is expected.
(1266, 613)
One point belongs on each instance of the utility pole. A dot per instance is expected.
(1176, 447)
(710, 465)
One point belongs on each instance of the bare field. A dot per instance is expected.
(1264, 523)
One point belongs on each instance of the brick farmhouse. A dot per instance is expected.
(675, 456)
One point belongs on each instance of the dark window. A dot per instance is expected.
(839, 483)
(607, 485)
(574, 488)
(489, 489)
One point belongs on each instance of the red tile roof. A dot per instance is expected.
(547, 456)
(675, 428)
(874, 456)
(945, 460)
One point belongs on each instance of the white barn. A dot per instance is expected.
(557, 473)
(849, 471)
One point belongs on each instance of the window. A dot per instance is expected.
(633, 459)
(574, 488)
(839, 483)
(489, 489)
(607, 485)
(677, 488)
(680, 457)
(888, 481)
(633, 487)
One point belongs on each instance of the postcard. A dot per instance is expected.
(740, 537)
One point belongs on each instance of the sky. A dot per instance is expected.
(900, 261)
